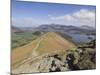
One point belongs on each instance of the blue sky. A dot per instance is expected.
(29, 14)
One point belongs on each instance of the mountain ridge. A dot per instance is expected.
(49, 43)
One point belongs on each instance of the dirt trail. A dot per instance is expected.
(34, 54)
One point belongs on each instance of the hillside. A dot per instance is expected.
(80, 58)
(48, 44)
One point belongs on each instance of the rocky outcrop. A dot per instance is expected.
(52, 64)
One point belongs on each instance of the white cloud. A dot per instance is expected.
(81, 17)
(64, 17)
(24, 22)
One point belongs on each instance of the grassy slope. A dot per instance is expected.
(23, 52)
(50, 43)
(22, 38)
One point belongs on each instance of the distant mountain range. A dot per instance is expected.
(66, 29)
(78, 34)
(57, 28)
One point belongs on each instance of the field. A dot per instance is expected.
(21, 38)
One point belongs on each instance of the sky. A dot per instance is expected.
(33, 14)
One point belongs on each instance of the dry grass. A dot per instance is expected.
(53, 42)
(50, 43)
(23, 52)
